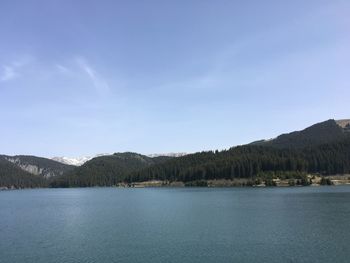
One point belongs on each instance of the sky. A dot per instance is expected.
(85, 77)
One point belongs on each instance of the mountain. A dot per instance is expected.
(320, 133)
(78, 161)
(323, 148)
(37, 165)
(106, 170)
(12, 176)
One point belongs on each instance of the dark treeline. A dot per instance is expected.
(251, 161)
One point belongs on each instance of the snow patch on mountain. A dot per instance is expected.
(77, 161)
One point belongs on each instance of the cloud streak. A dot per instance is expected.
(99, 83)
(11, 71)
(62, 69)
(8, 73)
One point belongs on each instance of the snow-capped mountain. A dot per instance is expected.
(71, 160)
(77, 161)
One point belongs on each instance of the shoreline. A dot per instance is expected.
(312, 181)
(255, 186)
(316, 181)
(142, 187)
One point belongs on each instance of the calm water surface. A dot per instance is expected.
(310, 224)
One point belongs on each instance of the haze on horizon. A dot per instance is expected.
(86, 77)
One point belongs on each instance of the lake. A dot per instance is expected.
(300, 224)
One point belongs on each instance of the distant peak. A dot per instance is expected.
(77, 161)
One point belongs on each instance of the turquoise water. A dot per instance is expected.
(310, 224)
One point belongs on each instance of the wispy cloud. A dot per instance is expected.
(99, 83)
(8, 73)
(11, 71)
(63, 69)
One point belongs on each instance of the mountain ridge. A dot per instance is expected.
(322, 132)
(38, 165)
(322, 148)
(78, 161)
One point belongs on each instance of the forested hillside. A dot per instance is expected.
(251, 161)
(24, 171)
(322, 149)
(12, 176)
(106, 170)
(39, 165)
(320, 133)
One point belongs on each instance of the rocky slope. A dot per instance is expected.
(37, 165)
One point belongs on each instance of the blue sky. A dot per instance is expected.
(86, 77)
